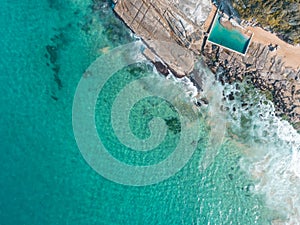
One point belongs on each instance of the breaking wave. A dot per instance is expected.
(270, 148)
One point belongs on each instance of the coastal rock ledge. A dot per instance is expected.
(175, 34)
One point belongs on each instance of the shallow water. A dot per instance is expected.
(47, 46)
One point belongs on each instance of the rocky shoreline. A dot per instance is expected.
(282, 84)
(175, 38)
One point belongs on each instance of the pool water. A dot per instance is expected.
(232, 39)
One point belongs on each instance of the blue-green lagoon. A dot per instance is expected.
(47, 47)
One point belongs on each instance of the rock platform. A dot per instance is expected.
(175, 34)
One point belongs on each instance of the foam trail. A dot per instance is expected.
(212, 90)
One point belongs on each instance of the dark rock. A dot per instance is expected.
(161, 68)
(204, 100)
(231, 96)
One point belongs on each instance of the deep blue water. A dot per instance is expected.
(45, 48)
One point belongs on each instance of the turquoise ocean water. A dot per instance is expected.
(46, 46)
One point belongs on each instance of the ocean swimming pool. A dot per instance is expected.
(230, 38)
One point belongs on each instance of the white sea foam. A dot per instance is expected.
(215, 117)
(270, 147)
(212, 91)
(189, 87)
(271, 153)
